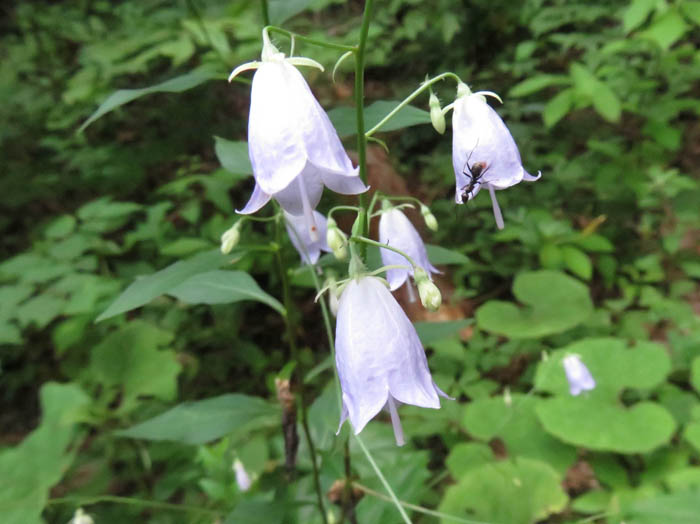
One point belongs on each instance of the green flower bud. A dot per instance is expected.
(337, 240)
(429, 218)
(436, 116)
(230, 238)
(430, 295)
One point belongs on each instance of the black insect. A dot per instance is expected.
(474, 172)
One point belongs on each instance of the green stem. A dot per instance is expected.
(409, 98)
(385, 483)
(289, 324)
(371, 242)
(88, 501)
(312, 41)
(265, 13)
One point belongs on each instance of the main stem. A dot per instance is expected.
(291, 340)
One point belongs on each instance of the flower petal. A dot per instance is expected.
(257, 200)
(299, 233)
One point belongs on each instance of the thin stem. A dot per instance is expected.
(88, 501)
(419, 509)
(371, 242)
(425, 85)
(265, 13)
(385, 483)
(312, 41)
(289, 324)
(341, 208)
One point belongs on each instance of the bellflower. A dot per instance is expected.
(580, 379)
(380, 359)
(397, 231)
(242, 478)
(484, 153)
(294, 149)
(308, 242)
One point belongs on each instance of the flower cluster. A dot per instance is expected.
(295, 152)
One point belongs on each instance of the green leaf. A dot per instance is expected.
(439, 255)
(692, 434)
(467, 455)
(695, 374)
(551, 256)
(207, 420)
(537, 83)
(553, 302)
(558, 107)
(691, 9)
(344, 118)
(429, 332)
(637, 13)
(594, 243)
(606, 103)
(577, 262)
(666, 29)
(174, 85)
(223, 287)
(676, 508)
(130, 360)
(519, 491)
(233, 156)
(516, 424)
(256, 511)
(39, 462)
(146, 288)
(282, 10)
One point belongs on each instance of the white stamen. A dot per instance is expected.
(308, 211)
(496, 208)
(395, 422)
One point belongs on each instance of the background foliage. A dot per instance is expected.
(139, 417)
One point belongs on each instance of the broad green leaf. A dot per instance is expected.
(344, 118)
(132, 361)
(692, 434)
(558, 107)
(551, 256)
(637, 13)
(233, 156)
(223, 287)
(257, 511)
(552, 302)
(519, 491)
(516, 424)
(691, 9)
(433, 331)
(282, 10)
(439, 255)
(695, 374)
(666, 29)
(203, 421)
(174, 85)
(146, 288)
(577, 262)
(537, 83)
(606, 103)
(61, 227)
(39, 462)
(594, 243)
(467, 455)
(672, 508)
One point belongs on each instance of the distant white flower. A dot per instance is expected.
(242, 478)
(294, 149)
(380, 359)
(397, 231)
(80, 517)
(580, 379)
(308, 242)
(483, 150)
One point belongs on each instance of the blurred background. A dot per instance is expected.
(139, 417)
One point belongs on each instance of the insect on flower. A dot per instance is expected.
(474, 174)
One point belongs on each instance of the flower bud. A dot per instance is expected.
(429, 218)
(80, 517)
(429, 293)
(436, 116)
(230, 238)
(336, 240)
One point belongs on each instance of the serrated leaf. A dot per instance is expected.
(207, 420)
(146, 288)
(174, 85)
(223, 287)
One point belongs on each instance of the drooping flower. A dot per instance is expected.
(484, 153)
(308, 242)
(243, 480)
(380, 359)
(397, 231)
(294, 149)
(580, 379)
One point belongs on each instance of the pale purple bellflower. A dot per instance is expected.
(380, 359)
(484, 153)
(396, 230)
(294, 149)
(580, 379)
(308, 247)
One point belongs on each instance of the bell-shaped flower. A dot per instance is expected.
(580, 379)
(380, 359)
(294, 149)
(397, 231)
(308, 242)
(484, 153)
(242, 478)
